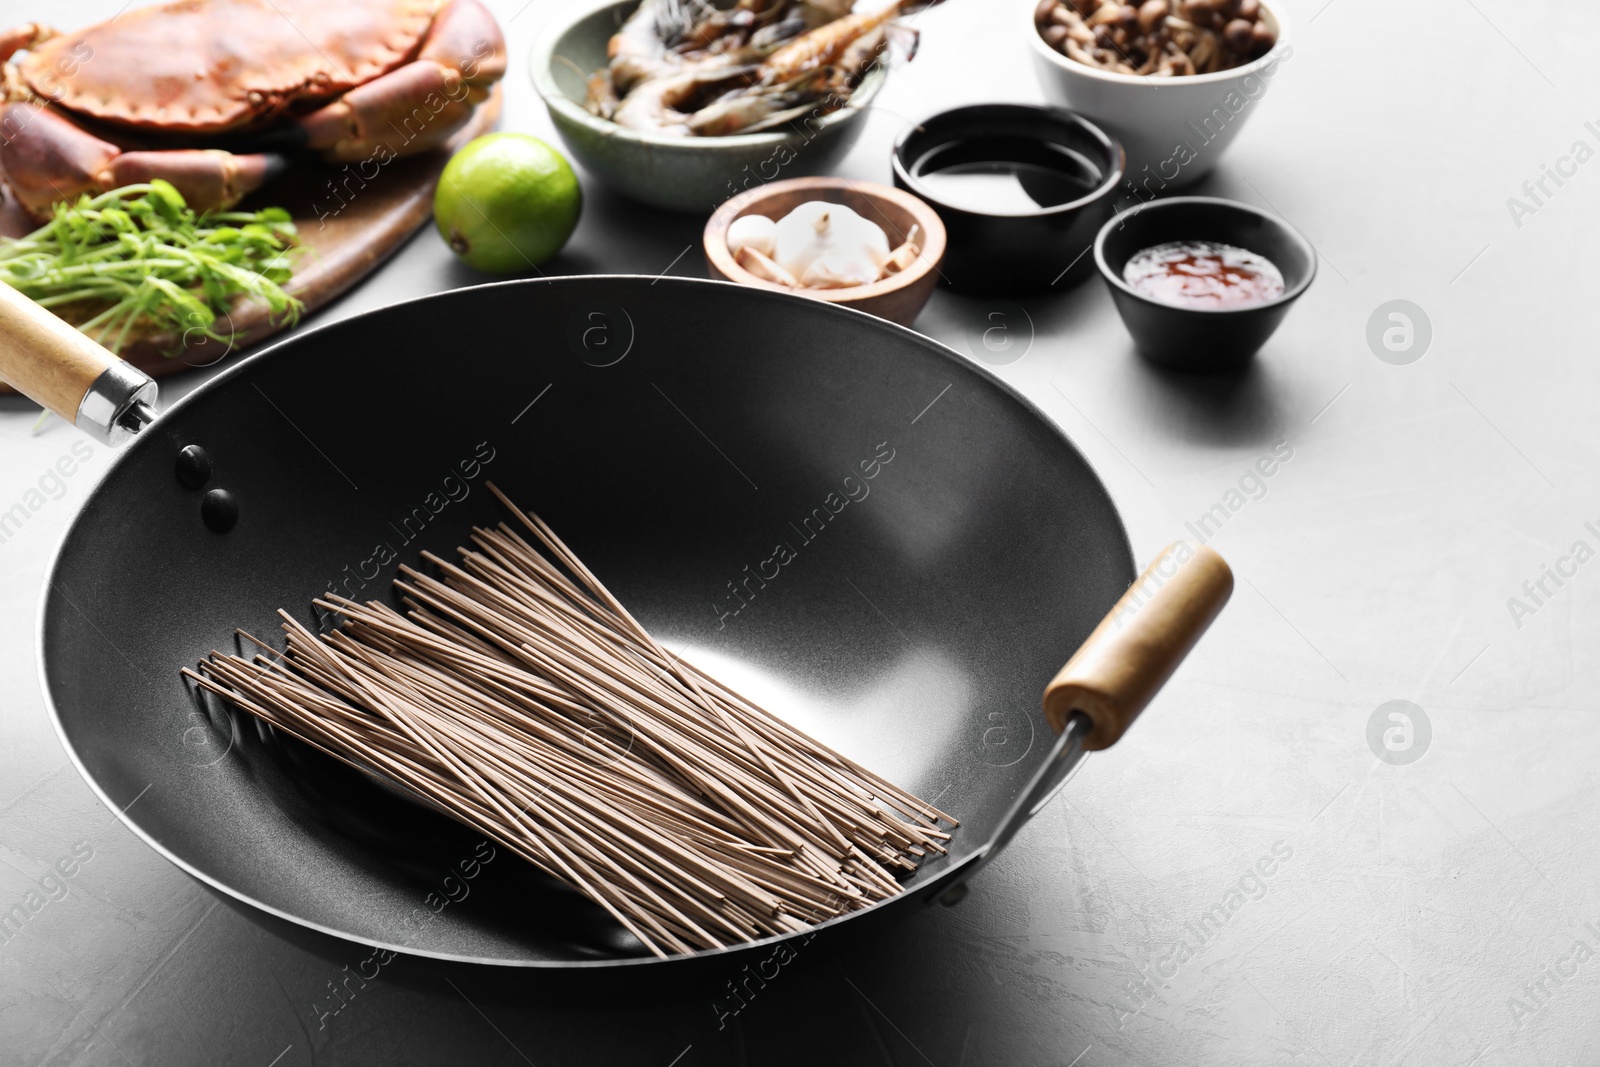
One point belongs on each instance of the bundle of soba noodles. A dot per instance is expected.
(518, 695)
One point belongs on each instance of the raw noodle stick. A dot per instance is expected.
(518, 695)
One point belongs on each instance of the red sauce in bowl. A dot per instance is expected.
(1204, 274)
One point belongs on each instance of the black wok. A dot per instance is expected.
(675, 433)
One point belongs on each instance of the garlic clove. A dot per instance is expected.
(901, 258)
(839, 272)
(764, 268)
(753, 231)
(904, 256)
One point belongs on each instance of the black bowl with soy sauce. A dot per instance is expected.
(1226, 320)
(1021, 190)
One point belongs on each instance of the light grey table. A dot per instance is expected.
(1439, 911)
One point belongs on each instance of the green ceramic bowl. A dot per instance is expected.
(678, 173)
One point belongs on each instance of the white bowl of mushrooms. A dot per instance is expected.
(1173, 80)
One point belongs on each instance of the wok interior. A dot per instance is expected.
(917, 618)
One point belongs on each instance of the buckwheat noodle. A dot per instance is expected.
(518, 695)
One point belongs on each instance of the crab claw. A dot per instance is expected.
(466, 39)
(12, 41)
(420, 105)
(46, 159)
(406, 111)
(28, 35)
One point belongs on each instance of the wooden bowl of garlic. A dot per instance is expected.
(856, 244)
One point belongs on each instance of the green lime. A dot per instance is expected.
(507, 202)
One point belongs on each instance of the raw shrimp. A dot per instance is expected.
(660, 105)
(825, 45)
(774, 34)
(642, 47)
(751, 112)
(737, 21)
(820, 12)
(602, 98)
(816, 92)
(717, 26)
(771, 61)
(763, 10)
(858, 59)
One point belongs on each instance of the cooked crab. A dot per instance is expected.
(210, 94)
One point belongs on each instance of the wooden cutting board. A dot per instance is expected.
(350, 219)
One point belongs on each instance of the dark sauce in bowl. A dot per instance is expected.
(1006, 175)
(1204, 274)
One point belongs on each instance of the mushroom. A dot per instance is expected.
(1238, 34)
(1157, 37)
(1107, 15)
(1080, 53)
(1152, 13)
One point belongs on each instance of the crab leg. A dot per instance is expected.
(417, 106)
(47, 159)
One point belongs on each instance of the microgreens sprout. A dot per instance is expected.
(139, 259)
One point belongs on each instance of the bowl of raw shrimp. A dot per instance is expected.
(681, 104)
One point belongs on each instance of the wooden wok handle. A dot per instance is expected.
(1136, 647)
(44, 358)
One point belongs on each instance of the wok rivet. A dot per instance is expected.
(193, 467)
(219, 511)
(954, 895)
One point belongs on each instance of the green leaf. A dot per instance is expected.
(168, 201)
(138, 260)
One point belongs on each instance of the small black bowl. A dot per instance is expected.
(1202, 339)
(1012, 235)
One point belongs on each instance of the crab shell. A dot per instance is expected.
(207, 67)
(182, 91)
